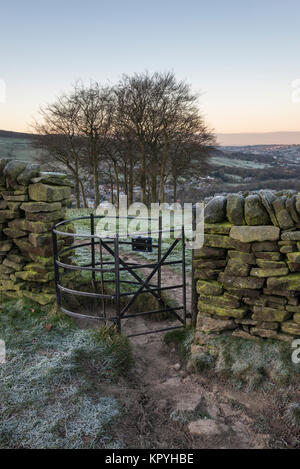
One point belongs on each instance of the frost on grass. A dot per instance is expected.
(50, 385)
(254, 364)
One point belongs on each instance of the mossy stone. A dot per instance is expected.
(264, 272)
(235, 267)
(263, 313)
(35, 207)
(249, 234)
(242, 257)
(255, 213)
(215, 210)
(291, 327)
(235, 209)
(222, 311)
(46, 193)
(289, 282)
(217, 228)
(209, 288)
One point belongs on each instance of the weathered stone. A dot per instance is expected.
(296, 318)
(56, 179)
(243, 292)
(290, 205)
(283, 217)
(7, 215)
(251, 283)
(294, 256)
(298, 203)
(215, 210)
(293, 309)
(248, 234)
(217, 228)
(255, 213)
(235, 209)
(25, 246)
(267, 198)
(246, 322)
(40, 240)
(244, 335)
(269, 325)
(272, 256)
(207, 274)
(217, 241)
(5, 246)
(287, 248)
(264, 333)
(35, 207)
(290, 327)
(263, 313)
(15, 198)
(269, 246)
(209, 264)
(4, 205)
(45, 217)
(208, 253)
(37, 267)
(289, 282)
(46, 193)
(242, 257)
(222, 311)
(206, 323)
(238, 268)
(14, 233)
(30, 171)
(32, 276)
(257, 272)
(294, 266)
(205, 428)
(12, 170)
(41, 298)
(34, 227)
(13, 265)
(290, 236)
(266, 264)
(209, 288)
(222, 300)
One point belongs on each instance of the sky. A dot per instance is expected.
(242, 57)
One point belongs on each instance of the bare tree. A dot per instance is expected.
(57, 135)
(158, 110)
(94, 124)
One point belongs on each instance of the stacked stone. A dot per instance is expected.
(31, 202)
(248, 270)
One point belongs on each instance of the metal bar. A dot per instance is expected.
(146, 285)
(84, 293)
(83, 316)
(171, 287)
(56, 269)
(145, 282)
(194, 291)
(155, 331)
(183, 273)
(80, 267)
(145, 313)
(93, 252)
(102, 277)
(159, 252)
(117, 286)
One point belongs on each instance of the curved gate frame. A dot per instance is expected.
(111, 245)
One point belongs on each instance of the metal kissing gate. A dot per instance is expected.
(114, 267)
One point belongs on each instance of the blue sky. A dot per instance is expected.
(242, 56)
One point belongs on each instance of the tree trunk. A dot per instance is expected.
(96, 183)
(143, 177)
(82, 193)
(161, 193)
(117, 182)
(130, 182)
(153, 188)
(111, 188)
(175, 188)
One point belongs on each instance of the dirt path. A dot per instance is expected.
(166, 407)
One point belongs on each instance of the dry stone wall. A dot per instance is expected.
(247, 273)
(31, 202)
